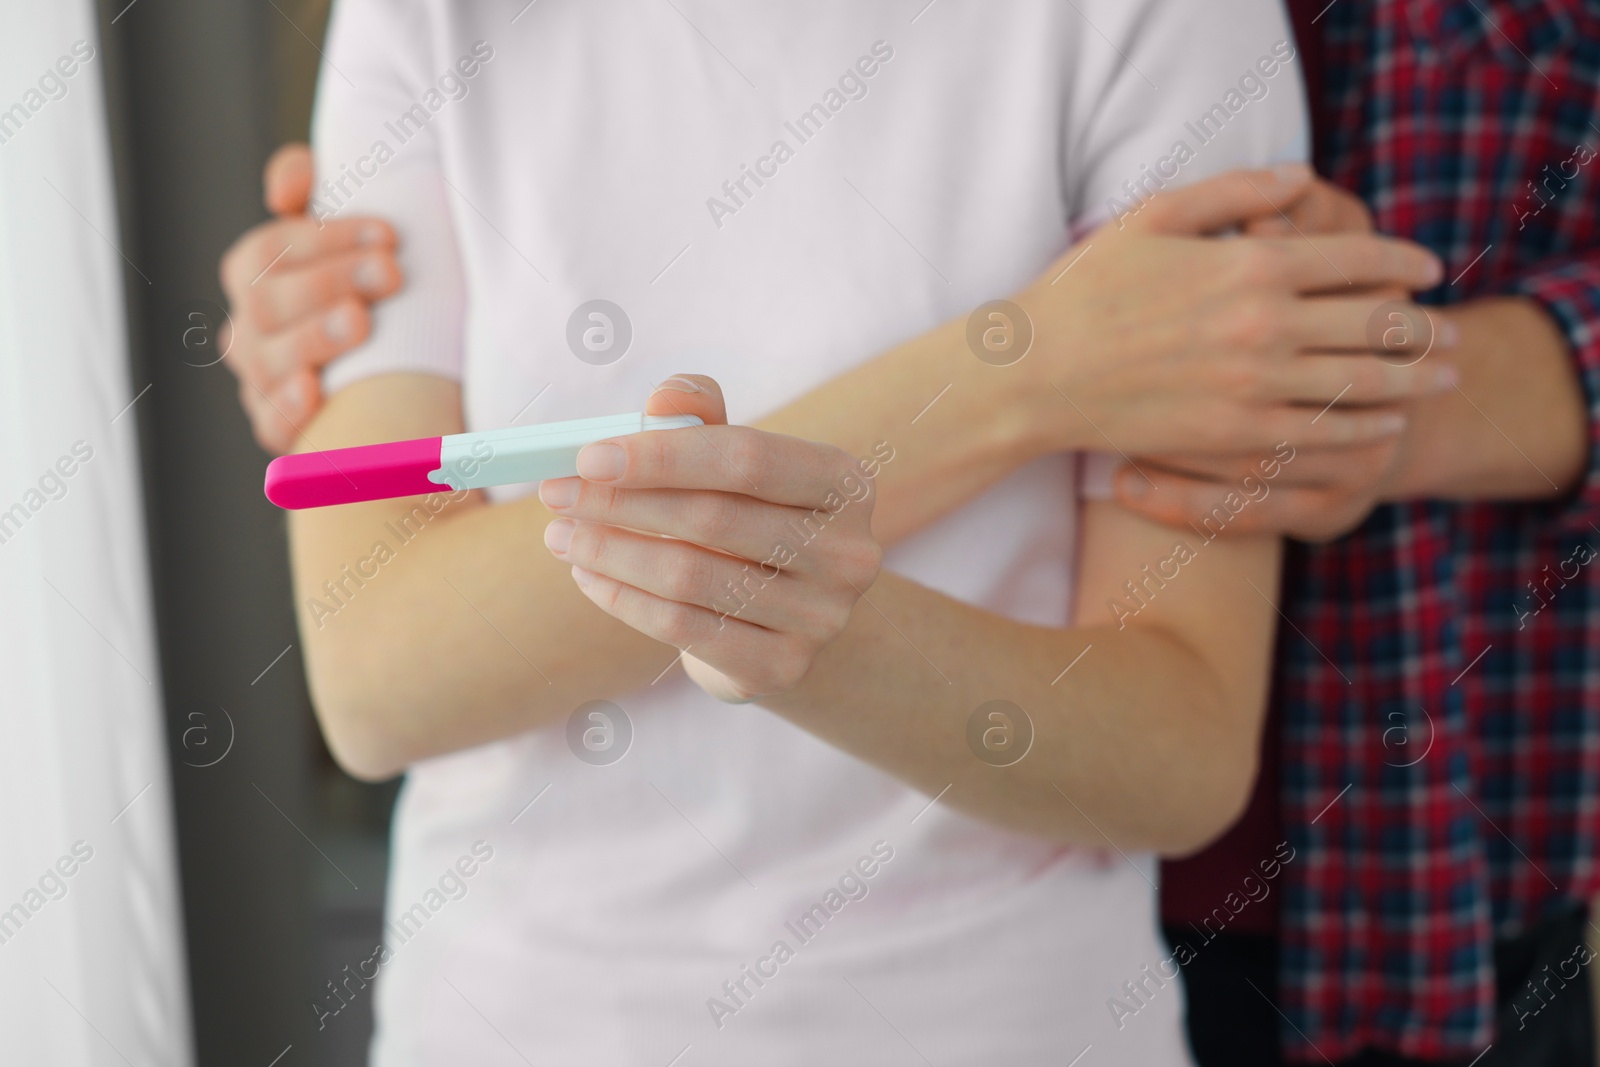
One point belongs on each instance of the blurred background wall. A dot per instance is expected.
(282, 856)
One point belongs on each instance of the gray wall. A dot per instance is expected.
(195, 88)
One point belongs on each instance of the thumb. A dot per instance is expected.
(286, 180)
(689, 394)
(1223, 202)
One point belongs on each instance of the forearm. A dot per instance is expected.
(508, 643)
(1140, 742)
(957, 425)
(467, 633)
(1517, 426)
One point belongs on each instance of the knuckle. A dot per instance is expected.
(676, 624)
(649, 457)
(751, 453)
(599, 503)
(606, 593)
(713, 516)
(590, 546)
(310, 345)
(1372, 257)
(862, 558)
(1258, 263)
(1254, 324)
(823, 612)
(356, 318)
(1370, 378)
(1221, 430)
(787, 666)
(692, 578)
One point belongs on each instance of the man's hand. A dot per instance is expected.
(748, 548)
(1167, 340)
(1319, 208)
(1322, 494)
(1330, 487)
(1318, 495)
(298, 294)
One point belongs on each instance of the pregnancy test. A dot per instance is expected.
(458, 461)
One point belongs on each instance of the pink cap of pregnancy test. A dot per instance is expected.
(349, 475)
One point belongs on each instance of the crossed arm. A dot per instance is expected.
(476, 632)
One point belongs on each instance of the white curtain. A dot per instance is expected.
(91, 954)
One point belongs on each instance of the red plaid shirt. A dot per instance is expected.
(1440, 716)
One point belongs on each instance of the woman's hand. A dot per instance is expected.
(745, 549)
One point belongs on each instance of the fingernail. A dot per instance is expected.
(371, 233)
(603, 462)
(558, 536)
(681, 385)
(340, 326)
(1449, 334)
(1132, 483)
(1446, 377)
(582, 577)
(369, 276)
(1291, 173)
(559, 492)
(1391, 423)
(1435, 272)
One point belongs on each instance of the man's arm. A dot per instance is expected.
(1516, 428)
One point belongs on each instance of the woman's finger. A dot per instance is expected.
(689, 394)
(756, 592)
(729, 522)
(753, 660)
(729, 459)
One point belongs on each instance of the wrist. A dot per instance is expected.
(1515, 428)
(1047, 390)
(1004, 413)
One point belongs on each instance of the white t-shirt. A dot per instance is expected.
(912, 165)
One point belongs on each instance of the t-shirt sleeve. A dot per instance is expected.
(1170, 92)
(377, 154)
